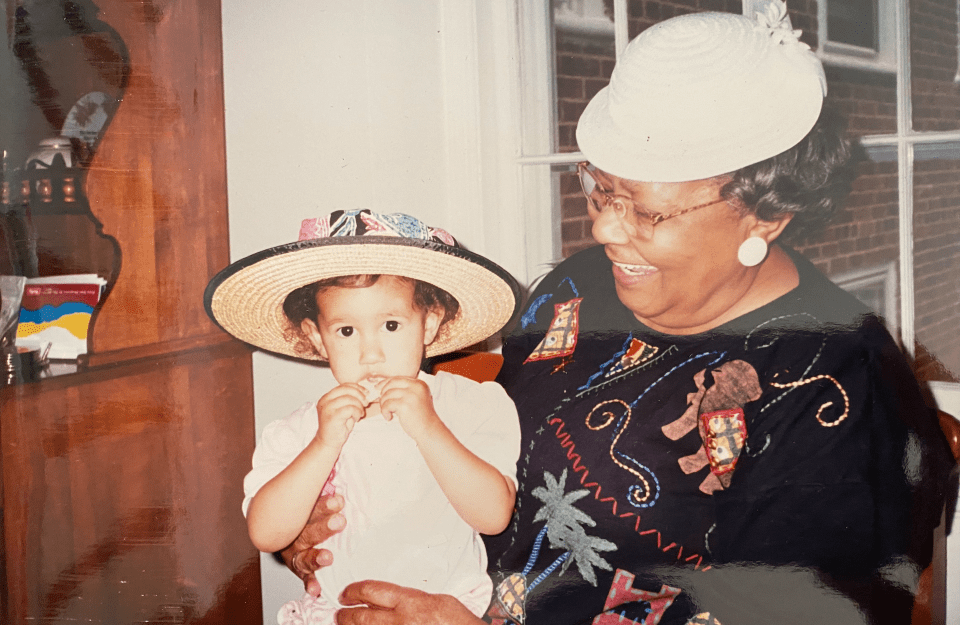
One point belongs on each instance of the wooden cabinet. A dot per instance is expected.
(121, 484)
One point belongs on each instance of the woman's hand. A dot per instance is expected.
(301, 556)
(383, 603)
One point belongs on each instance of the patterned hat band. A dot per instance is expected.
(364, 222)
(246, 298)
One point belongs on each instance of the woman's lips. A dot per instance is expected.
(631, 274)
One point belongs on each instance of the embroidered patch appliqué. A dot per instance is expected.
(725, 432)
(622, 592)
(511, 594)
(561, 338)
(637, 353)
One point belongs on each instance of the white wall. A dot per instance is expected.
(368, 103)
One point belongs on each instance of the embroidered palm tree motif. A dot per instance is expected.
(561, 337)
(564, 529)
(717, 412)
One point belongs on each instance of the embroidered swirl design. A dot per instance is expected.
(825, 405)
(641, 495)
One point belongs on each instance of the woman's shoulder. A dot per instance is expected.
(816, 305)
(823, 297)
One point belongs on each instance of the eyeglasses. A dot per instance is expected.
(600, 198)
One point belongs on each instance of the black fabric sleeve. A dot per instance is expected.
(852, 496)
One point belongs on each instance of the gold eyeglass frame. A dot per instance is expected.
(626, 204)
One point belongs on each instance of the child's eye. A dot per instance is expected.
(392, 326)
(345, 331)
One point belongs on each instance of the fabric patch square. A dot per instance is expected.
(724, 434)
(511, 595)
(561, 337)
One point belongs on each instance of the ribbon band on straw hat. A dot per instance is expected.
(246, 298)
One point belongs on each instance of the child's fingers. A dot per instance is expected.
(348, 390)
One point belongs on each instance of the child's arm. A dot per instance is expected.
(481, 495)
(280, 509)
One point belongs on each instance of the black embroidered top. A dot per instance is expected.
(781, 468)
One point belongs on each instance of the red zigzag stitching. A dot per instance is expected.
(577, 467)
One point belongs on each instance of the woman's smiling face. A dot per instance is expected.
(684, 276)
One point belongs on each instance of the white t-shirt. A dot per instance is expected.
(400, 526)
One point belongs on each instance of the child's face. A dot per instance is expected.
(372, 333)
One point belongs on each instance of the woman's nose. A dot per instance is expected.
(609, 227)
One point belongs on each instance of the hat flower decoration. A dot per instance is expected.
(774, 17)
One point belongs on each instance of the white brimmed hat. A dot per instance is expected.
(246, 299)
(704, 94)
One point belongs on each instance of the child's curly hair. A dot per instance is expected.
(302, 304)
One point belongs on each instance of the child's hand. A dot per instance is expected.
(409, 400)
(338, 411)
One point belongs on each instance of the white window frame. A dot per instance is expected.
(583, 17)
(957, 77)
(845, 55)
(883, 276)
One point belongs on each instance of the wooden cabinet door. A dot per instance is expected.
(122, 484)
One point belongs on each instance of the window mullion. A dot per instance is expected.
(905, 178)
(621, 26)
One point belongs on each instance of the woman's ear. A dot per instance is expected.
(769, 230)
(312, 332)
(431, 325)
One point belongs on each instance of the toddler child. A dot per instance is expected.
(425, 463)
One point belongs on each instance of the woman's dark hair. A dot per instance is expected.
(810, 180)
(302, 303)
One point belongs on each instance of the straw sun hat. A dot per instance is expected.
(246, 298)
(704, 94)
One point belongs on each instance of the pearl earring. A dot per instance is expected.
(752, 252)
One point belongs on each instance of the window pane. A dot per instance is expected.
(933, 58)
(867, 99)
(853, 22)
(584, 43)
(859, 248)
(936, 223)
(574, 221)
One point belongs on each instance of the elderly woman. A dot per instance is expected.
(713, 432)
